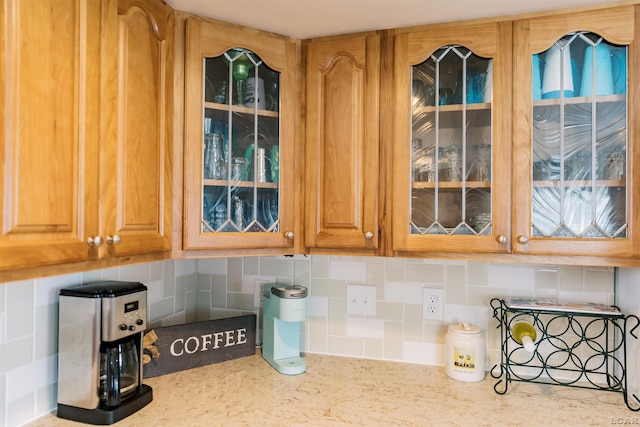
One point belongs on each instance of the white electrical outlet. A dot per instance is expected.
(361, 299)
(432, 304)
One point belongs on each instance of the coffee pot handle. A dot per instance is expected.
(113, 376)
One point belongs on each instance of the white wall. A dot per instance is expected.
(628, 299)
(184, 291)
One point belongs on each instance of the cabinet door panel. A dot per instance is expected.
(136, 165)
(342, 142)
(48, 96)
(452, 152)
(226, 208)
(564, 143)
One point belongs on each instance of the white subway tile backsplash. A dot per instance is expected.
(404, 292)
(423, 353)
(185, 267)
(317, 306)
(46, 321)
(394, 269)
(320, 266)
(183, 291)
(476, 315)
(21, 381)
(212, 266)
(156, 271)
(348, 271)
(373, 349)
(571, 278)
(111, 274)
(365, 327)
(276, 267)
(2, 335)
(507, 276)
(345, 346)
(91, 276)
(47, 289)
(21, 411)
(19, 310)
(135, 273)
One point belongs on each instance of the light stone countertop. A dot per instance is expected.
(339, 391)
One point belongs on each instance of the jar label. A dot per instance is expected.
(464, 359)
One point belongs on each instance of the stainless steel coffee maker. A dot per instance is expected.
(100, 334)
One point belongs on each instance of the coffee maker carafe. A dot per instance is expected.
(101, 328)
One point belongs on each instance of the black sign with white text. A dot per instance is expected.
(181, 347)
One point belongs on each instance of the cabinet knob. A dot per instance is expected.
(502, 239)
(95, 241)
(289, 234)
(523, 239)
(368, 235)
(115, 240)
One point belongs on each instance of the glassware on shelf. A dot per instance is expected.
(238, 212)
(481, 163)
(214, 164)
(241, 67)
(238, 169)
(615, 166)
(238, 159)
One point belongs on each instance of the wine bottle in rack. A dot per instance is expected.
(523, 332)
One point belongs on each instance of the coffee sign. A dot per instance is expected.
(181, 347)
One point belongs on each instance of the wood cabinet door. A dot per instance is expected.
(589, 213)
(256, 214)
(434, 209)
(49, 89)
(136, 154)
(342, 142)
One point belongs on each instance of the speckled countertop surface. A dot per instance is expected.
(338, 391)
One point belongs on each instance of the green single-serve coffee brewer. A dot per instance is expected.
(284, 309)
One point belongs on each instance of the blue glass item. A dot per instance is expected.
(619, 69)
(475, 86)
(535, 78)
(557, 74)
(602, 66)
(488, 82)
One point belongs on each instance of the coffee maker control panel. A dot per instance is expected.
(123, 315)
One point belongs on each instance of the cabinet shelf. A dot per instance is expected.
(579, 100)
(454, 185)
(576, 348)
(242, 184)
(581, 183)
(453, 107)
(240, 109)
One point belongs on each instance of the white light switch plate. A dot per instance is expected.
(361, 299)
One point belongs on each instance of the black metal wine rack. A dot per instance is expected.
(575, 349)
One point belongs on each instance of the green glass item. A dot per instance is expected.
(241, 67)
(275, 163)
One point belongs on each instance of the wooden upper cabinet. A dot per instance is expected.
(241, 112)
(342, 142)
(136, 153)
(452, 147)
(576, 134)
(49, 92)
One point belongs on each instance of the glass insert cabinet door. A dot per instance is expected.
(240, 140)
(579, 135)
(575, 135)
(452, 153)
(240, 106)
(451, 144)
